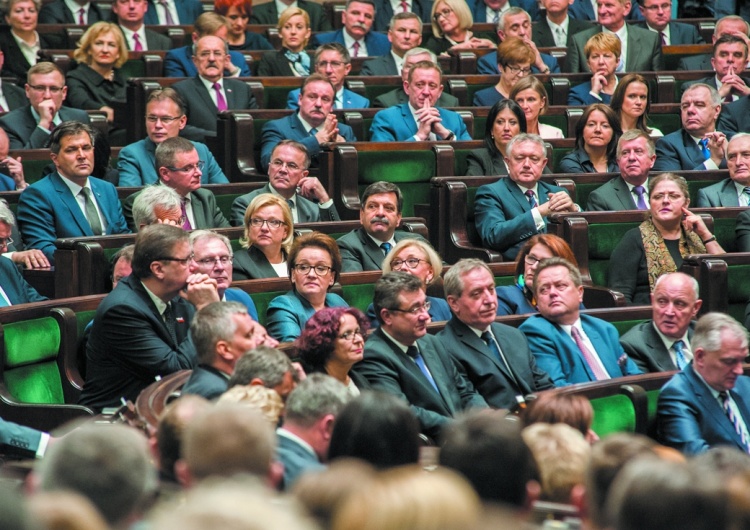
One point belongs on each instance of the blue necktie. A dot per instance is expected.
(746, 193)
(313, 131)
(532, 199)
(386, 247)
(704, 148)
(641, 204)
(736, 422)
(413, 352)
(489, 340)
(680, 354)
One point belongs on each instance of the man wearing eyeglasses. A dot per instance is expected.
(69, 202)
(140, 330)
(165, 118)
(181, 169)
(210, 92)
(657, 16)
(29, 127)
(494, 357)
(288, 178)
(400, 358)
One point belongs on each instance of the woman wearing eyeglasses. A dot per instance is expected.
(514, 60)
(269, 230)
(333, 341)
(418, 258)
(314, 266)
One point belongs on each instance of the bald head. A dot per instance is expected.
(675, 304)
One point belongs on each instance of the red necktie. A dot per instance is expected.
(221, 103)
(405, 7)
(138, 46)
(356, 49)
(81, 20)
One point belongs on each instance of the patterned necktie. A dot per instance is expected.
(588, 355)
(736, 421)
(183, 208)
(91, 214)
(704, 148)
(496, 17)
(413, 352)
(663, 38)
(137, 47)
(169, 322)
(386, 247)
(532, 198)
(313, 131)
(746, 195)
(355, 47)
(300, 62)
(641, 203)
(679, 354)
(167, 15)
(221, 103)
(560, 37)
(81, 15)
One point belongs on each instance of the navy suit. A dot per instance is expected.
(288, 313)
(307, 210)
(290, 127)
(206, 381)
(384, 13)
(360, 253)
(511, 300)
(22, 129)
(47, 211)
(691, 419)
(377, 43)
(351, 100)
(187, 12)
(297, 460)
(722, 193)
(644, 345)
(680, 33)
(179, 63)
(15, 287)
(57, 12)
(397, 125)
(644, 50)
(558, 355)
(386, 367)
(612, 196)
(486, 371)
(487, 64)
(678, 151)
(503, 215)
(487, 97)
(130, 345)
(479, 9)
(543, 37)
(200, 108)
(735, 117)
(137, 164)
(580, 95)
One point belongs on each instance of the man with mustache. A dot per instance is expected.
(356, 36)
(380, 214)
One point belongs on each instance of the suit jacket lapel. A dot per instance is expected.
(199, 210)
(728, 194)
(437, 370)
(375, 254)
(71, 203)
(472, 341)
(623, 194)
(517, 194)
(203, 94)
(692, 150)
(712, 405)
(409, 122)
(658, 350)
(608, 361)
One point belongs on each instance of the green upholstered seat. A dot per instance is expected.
(134, 68)
(30, 371)
(623, 326)
(666, 123)
(613, 414)
(262, 301)
(739, 290)
(32, 169)
(603, 238)
(359, 295)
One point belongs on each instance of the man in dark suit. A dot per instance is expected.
(491, 10)
(695, 406)
(179, 62)
(404, 33)
(268, 13)
(399, 96)
(742, 241)
(181, 12)
(309, 415)
(697, 145)
(14, 289)
(494, 357)
(729, 25)
(515, 22)
(513, 209)
(380, 214)
(384, 13)
(641, 48)
(68, 202)
(734, 191)
(288, 177)
(12, 97)
(728, 62)
(356, 35)
(29, 127)
(222, 332)
(130, 14)
(571, 347)
(312, 125)
(557, 28)
(85, 13)
(402, 359)
(657, 17)
(165, 118)
(141, 328)
(209, 92)
(636, 156)
(664, 343)
(585, 10)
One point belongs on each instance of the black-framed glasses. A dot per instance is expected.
(272, 223)
(414, 310)
(515, 70)
(223, 260)
(190, 168)
(320, 270)
(178, 260)
(412, 263)
(532, 260)
(349, 335)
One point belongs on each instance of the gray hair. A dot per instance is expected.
(169, 148)
(151, 197)
(264, 363)
(509, 13)
(730, 18)
(317, 396)
(6, 214)
(453, 281)
(421, 51)
(709, 328)
(714, 94)
(523, 138)
(200, 235)
(634, 134)
(212, 324)
(390, 286)
(692, 281)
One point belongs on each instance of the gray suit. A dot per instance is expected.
(612, 196)
(205, 211)
(644, 346)
(383, 65)
(359, 252)
(722, 193)
(644, 50)
(307, 210)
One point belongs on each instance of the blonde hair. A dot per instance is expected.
(607, 42)
(290, 12)
(82, 54)
(432, 256)
(261, 201)
(460, 8)
(265, 400)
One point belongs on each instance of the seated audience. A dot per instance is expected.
(657, 17)
(271, 12)
(78, 12)
(514, 60)
(267, 367)
(597, 133)
(239, 37)
(130, 16)
(658, 245)
(505, 121)
(314, 266)
(603, 52)
(531, 96)
(735, 190)
(571, 347)
(404, 33)
(518, 299)
(356, 36)
(257, 397)
(728, 61)
(632, 103)
(292, 59)
(572, 409)
(742, 232)
(451, 28)
(269, 231)
(333, 341)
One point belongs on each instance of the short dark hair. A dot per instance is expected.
(390, 286)
(333, 47)
(167, 150)
(728, 39)
(65, 129)
(383, 187)
(152, 243)
(170, 93)
(316, 78)
(316, 240)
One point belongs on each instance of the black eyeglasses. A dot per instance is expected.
(178, 260)
(320, 270)
(412, 263)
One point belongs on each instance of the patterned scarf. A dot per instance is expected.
(658, 259)
(300, 62)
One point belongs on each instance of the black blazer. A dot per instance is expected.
(486, 372)
(56, 12)
(544, 38)
(87, 90)
(251, 264)
(154, 41)
(267, 14)
(644, 345)
(15, 64)
(275, 64)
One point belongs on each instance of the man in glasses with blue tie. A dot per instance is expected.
(664, 343)
(400, 358)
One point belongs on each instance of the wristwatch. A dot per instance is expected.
(450, 137)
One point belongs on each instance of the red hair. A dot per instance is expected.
(222, 6)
